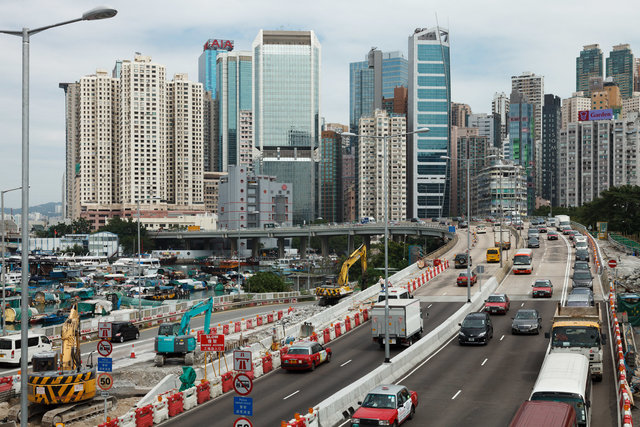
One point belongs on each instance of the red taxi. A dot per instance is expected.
(462, 279)
(386, 405)
(497, 303)
(305, 355)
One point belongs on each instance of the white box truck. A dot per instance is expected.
(405, 322)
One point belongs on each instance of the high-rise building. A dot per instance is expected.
(594, 156)
(428, 106)
(521, 141)
(609, 97)
(211, 183)
(330, 201)
(620, 66)
(207, 63)
(460, 114)
(248, 200)
(472, 148)
(551, 122)
(571, 107)
(500, 106)
(588, 65)
(532, 86)
(488, 125)
(234, 101)
(631, 105)
(210, 132)
(372, 166)
(349, 212)
(286, 111)
(397, 104)
(133, 140)
(372, 80)
(502, 190)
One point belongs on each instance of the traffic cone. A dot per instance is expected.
(133, 353)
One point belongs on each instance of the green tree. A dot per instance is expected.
(78, 250)
(127, 231)
(265, 281)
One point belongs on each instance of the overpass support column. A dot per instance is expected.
(255, 247)
(304, 243)
(280, 247)
(350, 243)
(324, 244)
(234, 245)
(396, 238)
(367, 241)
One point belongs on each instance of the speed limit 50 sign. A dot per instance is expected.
(105, 381)
(242, 422)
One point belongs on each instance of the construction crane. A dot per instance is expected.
(174, 341)
(333, 290)
(63, 381)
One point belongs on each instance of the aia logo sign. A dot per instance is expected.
(583, 116)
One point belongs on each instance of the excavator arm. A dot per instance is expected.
(358, 254)
(70, 340)
(201, 307)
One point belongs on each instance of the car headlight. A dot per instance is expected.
(383, 422)
(461, 334)
(481, 334)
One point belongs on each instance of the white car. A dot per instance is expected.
(481, 229)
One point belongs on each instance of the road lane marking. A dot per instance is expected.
(426, 360)
(501, 338)
(522, 305)
(346, 363)
(444, 293)
(485, 361)
(567, 271)
(456, 395)
(429, 306)
(295, 392)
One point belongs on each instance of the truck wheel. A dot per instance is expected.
(188, 359)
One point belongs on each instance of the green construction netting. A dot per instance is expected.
(188, 378)
(631, 304)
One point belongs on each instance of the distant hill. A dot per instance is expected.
(47, 209)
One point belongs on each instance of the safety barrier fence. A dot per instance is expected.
(623, 391)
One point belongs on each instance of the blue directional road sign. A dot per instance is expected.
(104, 364)
(452, 228)
(243, 405)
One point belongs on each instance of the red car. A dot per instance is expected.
(462, 279)
(552, 235)
(386, 405)
(542, 288)
(497, 303)
(305, 355)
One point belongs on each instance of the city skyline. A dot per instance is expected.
(485, 53)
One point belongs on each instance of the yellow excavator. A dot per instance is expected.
(331, 292)
(62, 389)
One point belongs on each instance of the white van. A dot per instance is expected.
(395, 293)
(10, 347)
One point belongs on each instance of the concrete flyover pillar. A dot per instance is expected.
(396, 238)
(234, 245)
(304, 243)
(324, 245)
(367, 241)
(280, 247)
(350, 242)
(255, 247)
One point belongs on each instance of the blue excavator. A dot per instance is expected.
(174, 341)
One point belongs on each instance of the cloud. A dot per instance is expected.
(491, 41)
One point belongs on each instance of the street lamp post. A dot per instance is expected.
(385, 139)
(25, 34)
(4, 302)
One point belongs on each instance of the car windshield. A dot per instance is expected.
(526, 314)
(473, 322)
(581, 266)
(375, 400)
(496, 298)
(542, 284)
(582, 275)
(299, 350)
(572, 336)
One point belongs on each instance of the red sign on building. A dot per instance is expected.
(212, 342)
(213, 44)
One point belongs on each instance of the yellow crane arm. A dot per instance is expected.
(358, 254)
(70, 342)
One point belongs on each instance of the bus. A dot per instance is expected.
(522, 261)
(565, 377)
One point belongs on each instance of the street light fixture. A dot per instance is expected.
(4, 301)
(25, 33)
(385, 140)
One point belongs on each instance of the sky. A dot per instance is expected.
(490, 42)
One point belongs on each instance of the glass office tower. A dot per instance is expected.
(620, 65)
(286, 105)
(428, 106)
(521, 131)
(207, 63)
(234, 98)
(588, 65)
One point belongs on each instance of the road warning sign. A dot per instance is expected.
(242, 361)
